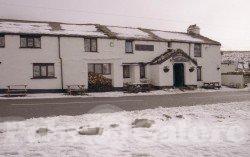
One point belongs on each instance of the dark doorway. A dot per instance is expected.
(178, 69)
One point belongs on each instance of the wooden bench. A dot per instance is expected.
(143, 86)
(76, 90)
(211, 85)
(16, 90)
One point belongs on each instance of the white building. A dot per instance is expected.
(48, 56)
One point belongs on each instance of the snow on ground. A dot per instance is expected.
(122, 94)
(205, 130)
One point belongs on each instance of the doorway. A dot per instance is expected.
(178, 70)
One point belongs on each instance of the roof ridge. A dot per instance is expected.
(68, 23)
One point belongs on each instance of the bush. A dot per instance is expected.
(99, 83)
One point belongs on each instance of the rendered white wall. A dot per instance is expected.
(225, 68)
(232, 80)
(17, 63)
(16, 67)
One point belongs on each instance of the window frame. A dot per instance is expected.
(102, 69)
(2, 36)
(142, 67)
(123, 69)
(199, 69)
(139, 47)
(27, 37)
(40, 65)
(129, 41)
(169, 44)
(195, 50)
(90, 46)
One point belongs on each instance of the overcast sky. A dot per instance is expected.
(227, 21)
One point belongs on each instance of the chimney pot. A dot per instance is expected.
(193, 29)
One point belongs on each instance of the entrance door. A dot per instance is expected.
(178, 69)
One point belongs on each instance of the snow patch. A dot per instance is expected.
(203, 132)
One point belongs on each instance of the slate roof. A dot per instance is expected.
(96, 30)
(169, 54)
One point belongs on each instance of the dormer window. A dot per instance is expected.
(2, 40)
(30, 41)
(128, 46)
(197, 50)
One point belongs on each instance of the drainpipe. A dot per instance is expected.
(189, 50)
(61, 62)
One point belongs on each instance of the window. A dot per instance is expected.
(126, 71)
(29, 41)
(2, 40)
(197, 50)
(199, 73)
(142, 71)
(144, 47)
(104, 69)
(90, 45)
(169, 44)
(43, 70)
(129, 47)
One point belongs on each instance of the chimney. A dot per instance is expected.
(193, 29)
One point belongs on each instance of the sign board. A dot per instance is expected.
(179, 58)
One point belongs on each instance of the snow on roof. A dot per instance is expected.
(18, 27)
(125, 32)
(46, 28)
(85, 30)
(176, 36)
(96, 30)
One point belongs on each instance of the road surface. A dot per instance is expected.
(29, 108)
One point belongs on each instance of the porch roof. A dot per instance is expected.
(169, 54)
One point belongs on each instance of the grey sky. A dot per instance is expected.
(227, 21)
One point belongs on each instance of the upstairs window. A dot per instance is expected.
(197, 50)
(199, 73)
(29, 41)
(2, 40)
(90, 45)
(129, 47)
(43, 70)
(142, 71)
(140, 47)
(169, 44)
(126, 71)
(104, 69)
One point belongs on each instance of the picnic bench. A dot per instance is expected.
(76, 90)
(143, 86)
(16, 90)
(211, 85)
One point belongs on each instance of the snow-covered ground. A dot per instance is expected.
(122, 94)
(204, 130)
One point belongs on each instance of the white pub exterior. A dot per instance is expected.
(48, 56)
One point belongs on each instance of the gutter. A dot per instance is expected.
(61, 62)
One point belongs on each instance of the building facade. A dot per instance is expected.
(48, 56)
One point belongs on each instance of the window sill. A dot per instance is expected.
(129, 52)
(30, 47)
(91, 51)
(43, 78)
(2, 46)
